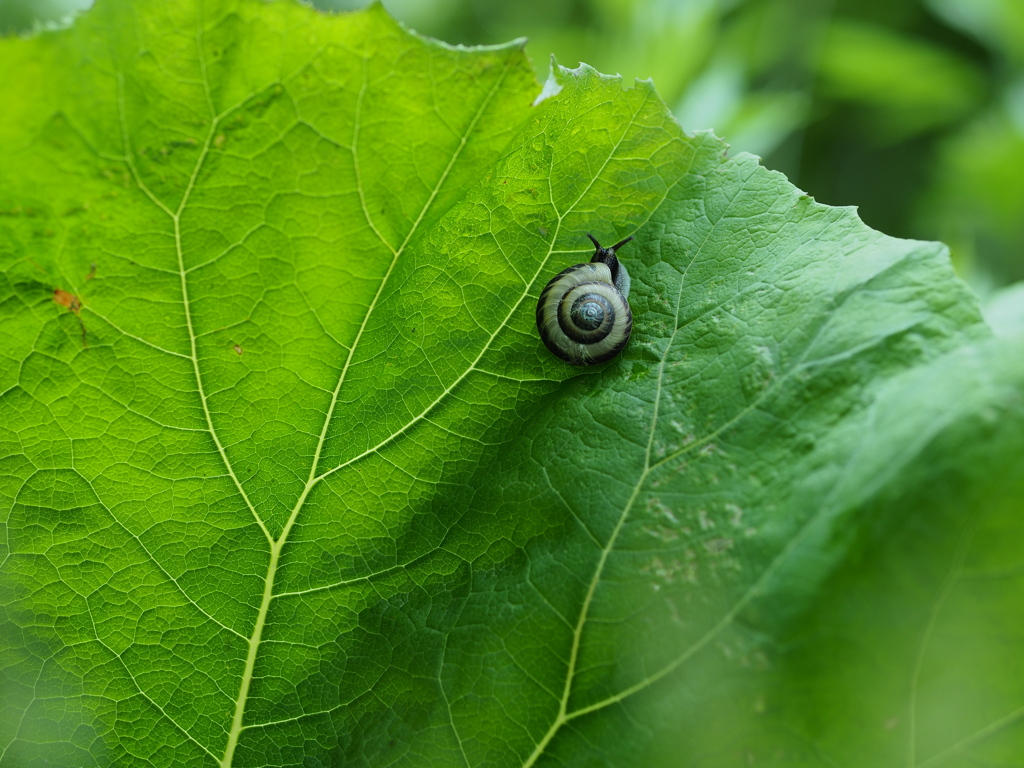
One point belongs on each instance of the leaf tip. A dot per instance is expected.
(551, 86)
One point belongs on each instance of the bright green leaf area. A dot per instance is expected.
(288, 477)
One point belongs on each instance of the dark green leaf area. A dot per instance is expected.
(289, 478)
(908, 650)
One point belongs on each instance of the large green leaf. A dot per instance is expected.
(288, 477)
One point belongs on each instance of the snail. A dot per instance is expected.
(582, 314)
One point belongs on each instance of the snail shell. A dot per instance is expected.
(582, 314)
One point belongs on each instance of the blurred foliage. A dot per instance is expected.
(913, 110)
(17, 16)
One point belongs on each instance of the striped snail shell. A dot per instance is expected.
(582, 315)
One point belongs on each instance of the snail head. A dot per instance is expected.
(607, 255)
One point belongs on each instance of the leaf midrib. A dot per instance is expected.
(275, 546)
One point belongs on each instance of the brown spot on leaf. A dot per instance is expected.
(92, 271)
(238, 349)
(68, 300)
(73, 304)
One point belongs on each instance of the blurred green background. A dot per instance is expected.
(912, 110)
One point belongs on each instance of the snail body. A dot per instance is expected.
(582, 315)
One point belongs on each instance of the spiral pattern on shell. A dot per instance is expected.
(582, 316)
